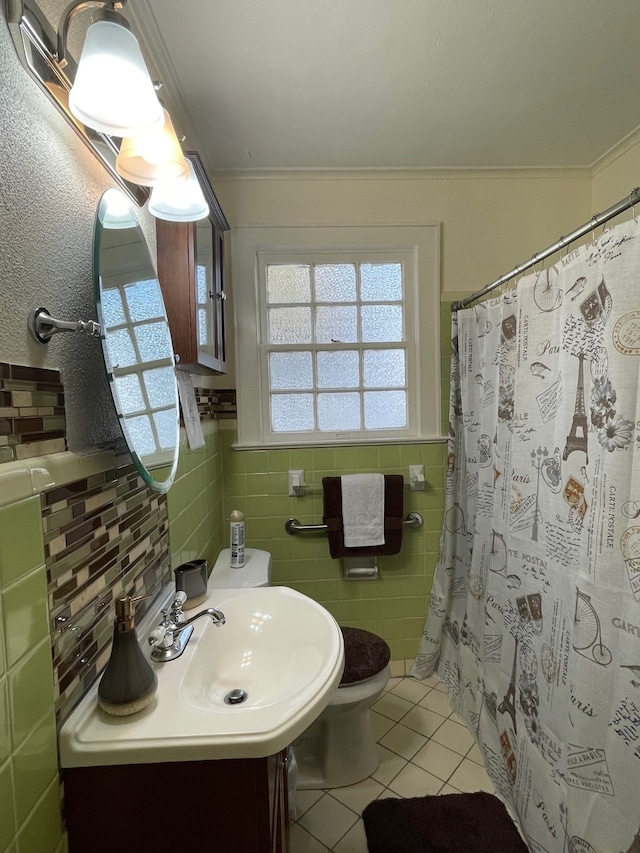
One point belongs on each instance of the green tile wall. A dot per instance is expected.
(393, 606)
(30, 819)
(194, 504)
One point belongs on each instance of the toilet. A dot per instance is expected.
(338, 749)
(255, 572)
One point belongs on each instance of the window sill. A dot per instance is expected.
(291, 445)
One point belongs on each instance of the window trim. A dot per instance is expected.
(252, 244)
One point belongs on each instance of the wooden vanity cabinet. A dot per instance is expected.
(191, 274)
(230, 804)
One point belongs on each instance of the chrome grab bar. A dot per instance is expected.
(292, 526)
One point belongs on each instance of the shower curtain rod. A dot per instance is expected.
(597, 219)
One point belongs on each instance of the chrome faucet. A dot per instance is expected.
(170, 638)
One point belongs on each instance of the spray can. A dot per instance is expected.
(236, 539)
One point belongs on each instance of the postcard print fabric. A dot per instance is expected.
(534, 616)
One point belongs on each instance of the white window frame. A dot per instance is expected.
(416, 246)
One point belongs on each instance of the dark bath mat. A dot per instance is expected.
(451, 823)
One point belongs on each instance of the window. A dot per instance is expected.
(140, 364)
(338, 352)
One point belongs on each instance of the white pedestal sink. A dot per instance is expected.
(280, 647)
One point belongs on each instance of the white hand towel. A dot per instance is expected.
(362, 509)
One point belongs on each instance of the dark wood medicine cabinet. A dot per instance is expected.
(191, 262)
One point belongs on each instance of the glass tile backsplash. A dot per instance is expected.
(32, 421)
(104, 536)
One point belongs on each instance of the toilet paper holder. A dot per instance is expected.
(360, 568)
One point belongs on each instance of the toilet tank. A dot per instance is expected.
(255, 572)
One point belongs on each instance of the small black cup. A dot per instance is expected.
(191, 577)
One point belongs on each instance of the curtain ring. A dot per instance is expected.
(539, 272)
(564, 248)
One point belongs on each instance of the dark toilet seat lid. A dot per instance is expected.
(365, 655)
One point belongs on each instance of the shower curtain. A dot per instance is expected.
(534, 617)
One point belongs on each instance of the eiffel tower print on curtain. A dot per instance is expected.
(577, 438)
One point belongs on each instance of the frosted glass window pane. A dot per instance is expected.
(203, 327)
(338, 369)
(385, 409)
(166, 427)
(337, 325)
(335, 282)
(144, 300)
(292, 412)
(142, 437)
(381, 282)
(161, 386)
(381, 323)
(120, 348)
(290, 326)
(130, 396)
(112, 310)
(153, 341)
(201, 283)
(289, 370)
(338, 412)
(384, 368)
(288, 283)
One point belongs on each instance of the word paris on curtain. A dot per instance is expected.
(534, 617)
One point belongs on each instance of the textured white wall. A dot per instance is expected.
(50, 185)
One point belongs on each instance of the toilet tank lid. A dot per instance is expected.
(255, 572)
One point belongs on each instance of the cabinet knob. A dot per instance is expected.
(176, 357)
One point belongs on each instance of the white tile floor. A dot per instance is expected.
(424, 749)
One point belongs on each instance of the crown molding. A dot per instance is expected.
(616, 151)
(415, 174)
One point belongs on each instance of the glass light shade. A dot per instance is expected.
(116, 212)
(179, 200)
(112, 91)
(152, 157)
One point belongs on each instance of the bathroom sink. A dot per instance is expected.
(266, 663)
(279, 652)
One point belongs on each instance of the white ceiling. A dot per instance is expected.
(346, 84)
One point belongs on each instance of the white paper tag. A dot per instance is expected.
(189, 406)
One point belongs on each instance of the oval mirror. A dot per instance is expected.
(136, 341)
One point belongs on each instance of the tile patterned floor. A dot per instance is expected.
(424, 749)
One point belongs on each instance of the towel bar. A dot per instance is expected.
(292, 526)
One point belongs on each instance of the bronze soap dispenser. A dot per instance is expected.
(129, 682)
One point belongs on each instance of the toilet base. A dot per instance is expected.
(339, 749)
(348, 754)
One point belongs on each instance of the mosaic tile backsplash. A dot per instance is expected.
(105, 536)
(216, 403)
(32, 420)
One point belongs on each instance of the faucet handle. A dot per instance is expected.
(157, 636)
(177, 615)
(179, 599)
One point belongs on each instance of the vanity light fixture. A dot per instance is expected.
(152, 157)
(112, 91)
(179, 200)
(133, 138)
(43, 51)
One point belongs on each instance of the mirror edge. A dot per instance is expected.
(158, 486)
